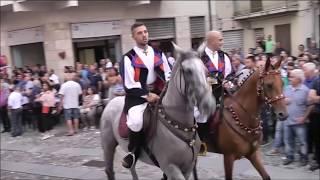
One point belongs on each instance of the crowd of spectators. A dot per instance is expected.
(37, 98)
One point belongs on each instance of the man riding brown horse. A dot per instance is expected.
(219, 67)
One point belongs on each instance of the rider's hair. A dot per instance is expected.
(136, 24)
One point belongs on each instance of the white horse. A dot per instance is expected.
(175, 143)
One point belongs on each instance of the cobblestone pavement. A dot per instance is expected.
(62, 158)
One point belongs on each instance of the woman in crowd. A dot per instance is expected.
(115, 84)
(47, 100)
(88, 109)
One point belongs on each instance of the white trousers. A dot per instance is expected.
(198, 116)
(135, 117)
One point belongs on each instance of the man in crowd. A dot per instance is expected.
(269, 46)
(139, 70)
(295, 125)
(70, 92)
(250, 62)
(278, 49)
(310, 76)
(54, 80)
(95, 78)
(15, 111)
(314, 51)
(309, 73)
(301, 50)
(27, 100)
(4, 93)
(237, 64)
(314, 98)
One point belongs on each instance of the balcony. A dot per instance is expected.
(262, 10)
(28, 5)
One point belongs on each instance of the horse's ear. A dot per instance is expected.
(278, 64)
(201, 48)
(178, 51)
(268, 64)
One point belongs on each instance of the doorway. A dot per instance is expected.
(283, 35)
(92, 50)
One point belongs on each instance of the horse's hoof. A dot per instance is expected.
(203, 149)
(164, 177)
(128, 160)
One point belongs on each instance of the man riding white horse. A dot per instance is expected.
(143, 69)
(219, 67)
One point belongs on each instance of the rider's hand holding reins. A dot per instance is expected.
(152, 97)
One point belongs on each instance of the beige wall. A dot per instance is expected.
(57, 23)
(4, 49)
(57, 39)
(245, 5)
(272, 4)
(301, 21)
(242, 5)
(183, 32)
(225, 11)
(105, 10)
(299, 30)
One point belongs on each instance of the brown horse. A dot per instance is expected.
(238, 133)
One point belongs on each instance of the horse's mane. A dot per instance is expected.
(194, 81)
(251, 72)
(245, 78)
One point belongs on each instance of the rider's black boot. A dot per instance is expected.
(203, 130)
(135, 142)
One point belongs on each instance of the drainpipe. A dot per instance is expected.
(210, 15)
(314, 6)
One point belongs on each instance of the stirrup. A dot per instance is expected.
(129, 160)
(204, 149)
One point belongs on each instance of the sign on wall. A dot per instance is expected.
(95, 29)
(25, 36)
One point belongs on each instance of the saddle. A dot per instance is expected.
(148, 124)
(214, 121)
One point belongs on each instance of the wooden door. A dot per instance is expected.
(283, 35)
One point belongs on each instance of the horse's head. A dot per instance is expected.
(192, 80)
(270, 88)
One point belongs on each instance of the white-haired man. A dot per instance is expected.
(309, 70)
(295, 126)
(314, 97)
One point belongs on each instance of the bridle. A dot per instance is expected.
(174, 126)
(260, 87)
(261, 93)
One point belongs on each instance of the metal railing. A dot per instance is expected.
(265, 8)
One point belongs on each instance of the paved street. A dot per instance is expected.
(63, 158)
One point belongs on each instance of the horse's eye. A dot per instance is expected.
(189, 71)
(269, 86)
